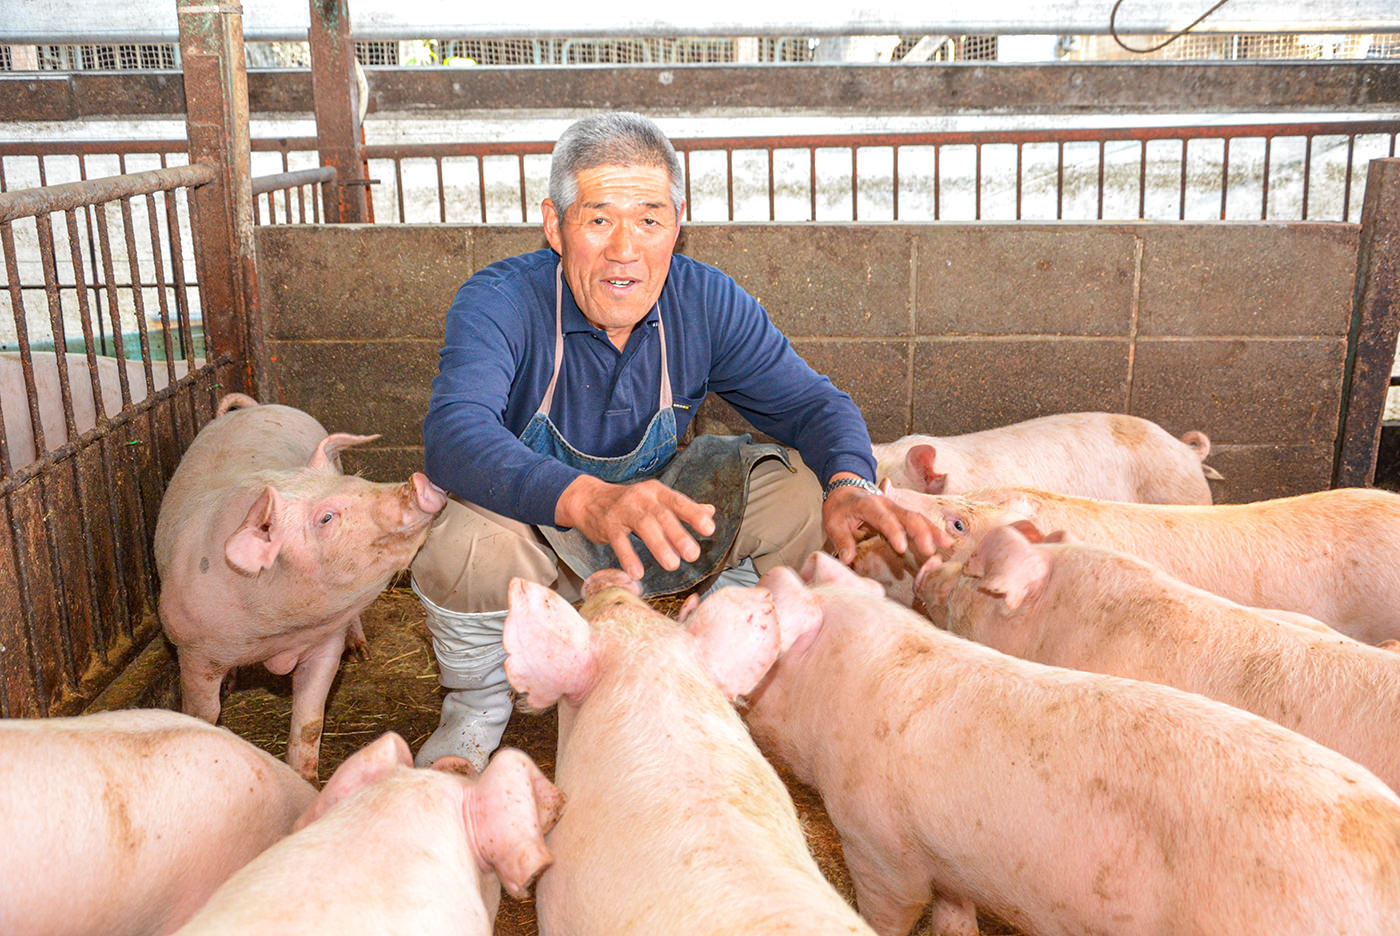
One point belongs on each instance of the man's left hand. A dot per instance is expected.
(848, 509)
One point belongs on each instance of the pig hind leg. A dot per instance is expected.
(356, 646)
(891, 898)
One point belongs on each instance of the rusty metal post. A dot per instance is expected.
(1375, 322)
(337, 98)
(216, 104)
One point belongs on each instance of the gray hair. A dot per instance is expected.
(621, 138)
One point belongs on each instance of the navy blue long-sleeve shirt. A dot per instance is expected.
(498, 354)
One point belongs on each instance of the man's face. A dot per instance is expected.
(616, 241)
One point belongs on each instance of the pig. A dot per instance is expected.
(1088, 608)
(267, 554)
(675, 824)
(123, 823)
(1064, 802)
(387, 848)
(1111, 456)
(14, 395)
(1332, 555)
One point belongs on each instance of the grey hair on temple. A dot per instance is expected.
(621, 138)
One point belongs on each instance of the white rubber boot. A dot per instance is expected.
(473, 721)
(471, 666)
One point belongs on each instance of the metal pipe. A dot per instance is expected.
(26, 203)
(287, 180)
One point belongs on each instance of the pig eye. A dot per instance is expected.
(326, 517)
(958, 526)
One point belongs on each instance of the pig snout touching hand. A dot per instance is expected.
(387, 848)
(1110, 456)
(610, 578)
(1331, 555)
(1088, 608)
(670, 805)
(965, 521)
(1060, 801)
(123, 823)
(267, 554)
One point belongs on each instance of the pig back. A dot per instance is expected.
(224, 462)
(392, 857)
(1333, 555)
(19, 431)
(1110, 456)
(124, 822)
(242, 442)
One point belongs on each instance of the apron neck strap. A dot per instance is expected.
(665, 396)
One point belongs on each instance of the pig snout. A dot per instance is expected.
(604, 579)
(411, 507)
(427, 496)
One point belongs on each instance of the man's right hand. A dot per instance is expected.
(608, 513)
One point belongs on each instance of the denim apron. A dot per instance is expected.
(710, 470)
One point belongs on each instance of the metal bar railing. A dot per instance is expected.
(86, 439)
(27, 203)
(268, 187)
(1304, 180)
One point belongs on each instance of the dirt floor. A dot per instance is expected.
(396, 690)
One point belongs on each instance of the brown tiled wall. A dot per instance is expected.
(1236, 329)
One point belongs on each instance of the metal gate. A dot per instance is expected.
(98, 402)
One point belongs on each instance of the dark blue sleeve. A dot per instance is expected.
(755, 370)
(468, 450)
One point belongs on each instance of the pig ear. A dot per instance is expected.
(366, 766)
(254, 546)
(799, 612)
(688, 607)
(918, 461)
(1030, 531)
(509, 811)
(737, 637)
(548, 646)
(1008, 566)
(1063, 537)
(327, 454)
(825, 569)
(935, 580)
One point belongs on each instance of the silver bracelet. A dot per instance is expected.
(861, 483)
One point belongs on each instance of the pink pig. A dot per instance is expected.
(267, 554)
(1088, 608)
(123, 823)
(1064, 802)
(387, 848)
(1332, 555)
(20, 440)
(1111, 456)
(676, 824)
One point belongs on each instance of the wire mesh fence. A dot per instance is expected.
(708, 50)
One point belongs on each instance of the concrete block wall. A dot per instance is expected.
(1238, 329)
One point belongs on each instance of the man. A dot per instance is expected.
(567, 376)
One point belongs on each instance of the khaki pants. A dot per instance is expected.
(472, 553)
